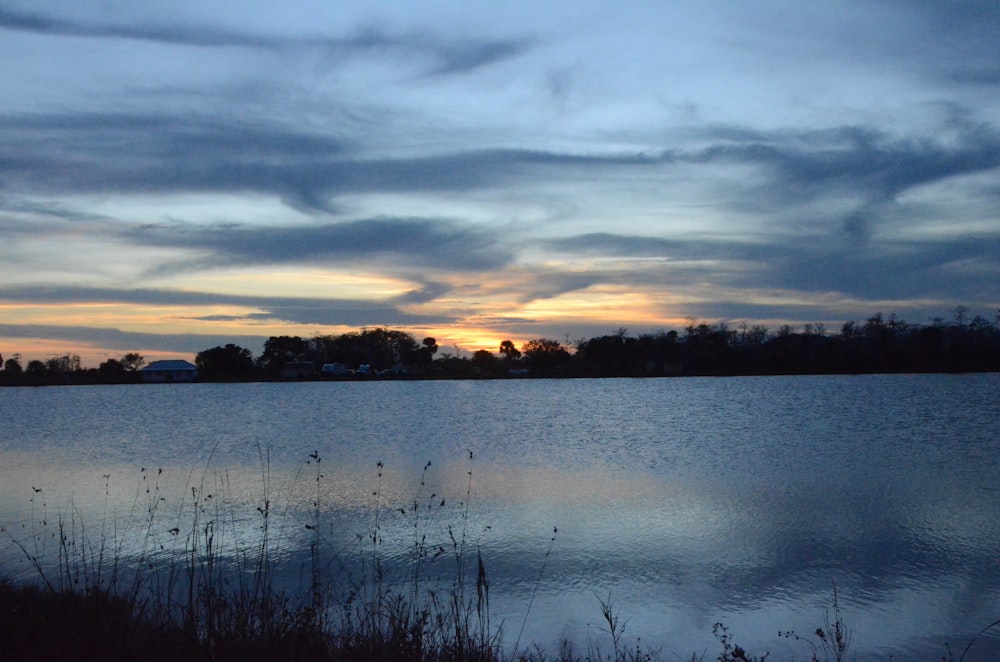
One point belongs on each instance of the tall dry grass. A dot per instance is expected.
(190, 584)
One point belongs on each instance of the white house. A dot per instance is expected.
(170, 371)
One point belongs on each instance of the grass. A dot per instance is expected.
(204, 590)
(198, 588)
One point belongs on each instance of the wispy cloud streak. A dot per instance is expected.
(450, 56)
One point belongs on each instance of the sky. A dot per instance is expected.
(176, 176)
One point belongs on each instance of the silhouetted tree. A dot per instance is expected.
(279, 350)
(229, 362)
(961, 315)
(706, 349)
(484, 362)
(509, 351)
(545, 355)
(64, 364)
(453, 366)
(111, 368)
(755, 335)
(380, 348)
(616, 354)
(424, 355)
(132, 361)
(661, 353)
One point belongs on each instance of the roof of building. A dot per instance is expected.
(171, 364)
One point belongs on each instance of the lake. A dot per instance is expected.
(685, 501)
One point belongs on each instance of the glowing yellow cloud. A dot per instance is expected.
(298, 282)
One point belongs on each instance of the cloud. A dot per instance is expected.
(178, 35)
(447, 55)
(939, 269)
(989, 76)
(36, 209)
(847, 182)
(828, 162)
(125, 341)
(160, 153)
(41, 140)
(305, 311)
(885, 269)
(639, 246)
(467, 56)
(426, 293)
(429, 243)
(72, 294)
(551, 285)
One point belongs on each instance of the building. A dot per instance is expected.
(170, 371)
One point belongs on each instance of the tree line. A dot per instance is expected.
(878, 344)
(67, 369)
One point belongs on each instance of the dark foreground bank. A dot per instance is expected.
(39, 623)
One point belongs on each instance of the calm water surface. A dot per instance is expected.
(687, 501)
